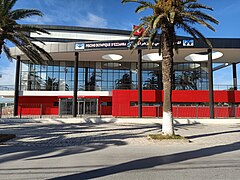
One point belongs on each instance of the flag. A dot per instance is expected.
(138, 32)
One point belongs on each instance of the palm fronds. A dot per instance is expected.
(178, 13)
(19, 34)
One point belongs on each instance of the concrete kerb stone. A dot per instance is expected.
(98, 120)
(18, 120)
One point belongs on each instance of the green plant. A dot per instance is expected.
(165, 137)
(18, 34)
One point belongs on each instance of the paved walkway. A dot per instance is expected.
(62, 135)
(118, 151)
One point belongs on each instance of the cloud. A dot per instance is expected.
(93, 20)
(39, 20)
(88, 13)
(8, 74)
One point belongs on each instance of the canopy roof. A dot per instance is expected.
(94, 43)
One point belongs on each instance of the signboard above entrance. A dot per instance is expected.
(126, 44)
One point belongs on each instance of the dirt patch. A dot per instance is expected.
(167, 138)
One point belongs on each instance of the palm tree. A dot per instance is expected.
(187, 81)
(167, 15)
(19, 34)
(52, 84)
(91, 84)
(125, 82)
(153, 82)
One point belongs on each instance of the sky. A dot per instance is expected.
(115, 15)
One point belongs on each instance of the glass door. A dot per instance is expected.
(85, 106)
(65, 106)
(81, 107)
(91, 106)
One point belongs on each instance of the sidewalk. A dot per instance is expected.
(79, 131)
(98, 120)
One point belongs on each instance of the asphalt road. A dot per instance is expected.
(112, 151)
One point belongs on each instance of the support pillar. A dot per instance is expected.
(234, 68)
(16, 93)
(210, 84)
(87, 87)
(75, 85)
(140, 83)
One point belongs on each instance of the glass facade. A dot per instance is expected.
(106, 76)
(190, 76)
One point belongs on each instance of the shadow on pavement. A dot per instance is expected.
(152, 162)
(212, 134)
(50, 141)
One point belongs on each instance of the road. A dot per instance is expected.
(118, 151)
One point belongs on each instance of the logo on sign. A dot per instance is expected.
(79, 46)
(189, 42)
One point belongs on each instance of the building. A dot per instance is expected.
(107, 76)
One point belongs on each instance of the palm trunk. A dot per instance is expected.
(167, 73)
(1, 46)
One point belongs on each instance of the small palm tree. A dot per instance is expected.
(154, 81)
(167, 15)
(91, 84)
(125, 82)
(151, 82)
(52, 84)
(19, 34)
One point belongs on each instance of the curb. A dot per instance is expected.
(98, 120)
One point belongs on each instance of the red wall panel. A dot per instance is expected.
(104, 110)
(238, 112)
(122, 99)
(32, 105)
(202, 96)
(121, 103)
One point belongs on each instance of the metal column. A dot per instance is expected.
(16, 94)
(140, 83)
(210, 84)
(234, 68)
(86, 80)
(75, 85)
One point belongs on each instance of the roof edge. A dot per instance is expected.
(85, 29)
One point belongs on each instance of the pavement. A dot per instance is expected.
(54, 149)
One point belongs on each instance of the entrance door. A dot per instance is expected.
(65, 106)
(85, 106)
(81, 107)
(91, 106)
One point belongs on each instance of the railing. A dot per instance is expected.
(43, 111)
(195, 112)
(7, 87)
(204, 111)
(7, 111)
(224, 87)
(179, 111)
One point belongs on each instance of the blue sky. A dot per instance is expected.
(113, 14)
